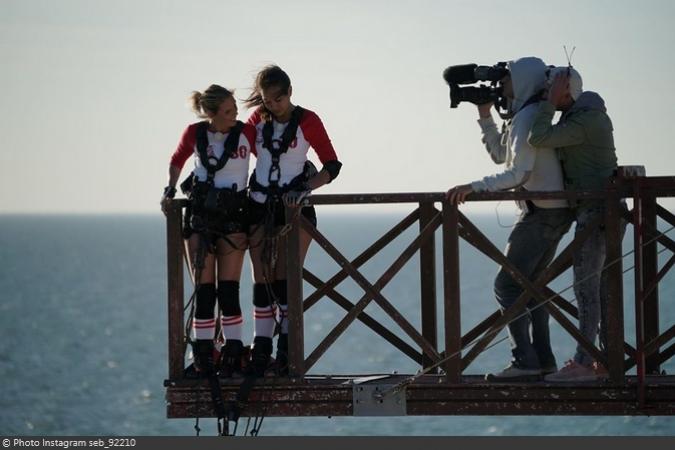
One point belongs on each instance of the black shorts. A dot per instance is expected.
(231, 217)
(258, 211)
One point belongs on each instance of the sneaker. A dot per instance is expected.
(514, 373)
(547, 370)
(600, 371)
(573, 371)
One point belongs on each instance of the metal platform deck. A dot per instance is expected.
(428, 395)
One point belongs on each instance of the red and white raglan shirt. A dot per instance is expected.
(235, 172)
(236, 169)
(311, 133)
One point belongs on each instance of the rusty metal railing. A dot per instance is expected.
(459, 350)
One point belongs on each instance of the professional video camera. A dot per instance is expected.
(481, 94)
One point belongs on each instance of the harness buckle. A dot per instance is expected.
(275, 174)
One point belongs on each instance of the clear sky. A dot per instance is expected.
(94, 92)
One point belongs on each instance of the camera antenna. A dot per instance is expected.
(569, 55)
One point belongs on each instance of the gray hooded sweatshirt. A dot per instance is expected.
(534, 170)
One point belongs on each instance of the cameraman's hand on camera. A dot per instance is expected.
(457, 195)
(558, 89)
(484, 110)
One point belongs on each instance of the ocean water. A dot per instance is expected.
(83, 323)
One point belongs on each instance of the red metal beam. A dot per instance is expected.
(174, 259)
(428, 280)
(451, 293)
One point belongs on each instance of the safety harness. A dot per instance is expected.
(208, 204)
(211, 163)
(277, 148)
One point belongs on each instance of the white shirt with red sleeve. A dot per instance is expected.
(236, 169)
(311, 133)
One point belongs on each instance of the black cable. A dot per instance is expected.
(248, 422)
(257, 424)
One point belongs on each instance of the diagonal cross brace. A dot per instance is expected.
(530, 289)
(363, 258)
(367, 320)
(372, 291)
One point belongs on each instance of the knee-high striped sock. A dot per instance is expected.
(204, 323)
(263, 310)
(231, 321)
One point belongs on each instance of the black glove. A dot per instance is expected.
(169, 192)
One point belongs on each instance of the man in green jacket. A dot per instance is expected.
(585, 144)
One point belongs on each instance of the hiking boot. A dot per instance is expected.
(230, 359)
(513, 373)
(203, 357)
(261, 353)
(573, 371)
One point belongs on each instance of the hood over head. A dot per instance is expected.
(589, 101)
(528, 76)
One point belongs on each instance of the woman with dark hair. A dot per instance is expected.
(283, 176)
(215, 221)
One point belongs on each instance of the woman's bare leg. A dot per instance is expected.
(231, 256)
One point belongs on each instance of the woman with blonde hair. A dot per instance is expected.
(215, 221)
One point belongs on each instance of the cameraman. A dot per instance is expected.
(535, 237)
